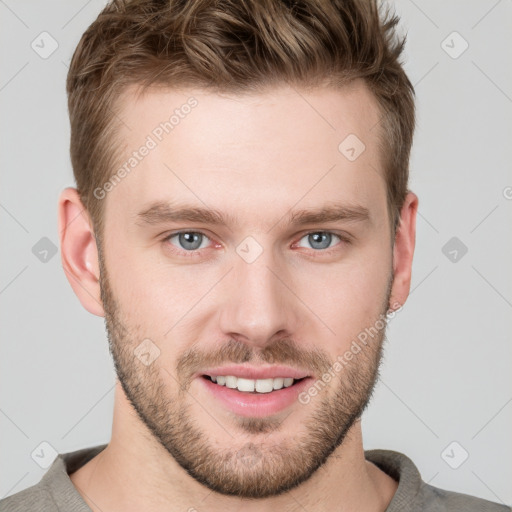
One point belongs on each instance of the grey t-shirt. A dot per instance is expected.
(55, 492)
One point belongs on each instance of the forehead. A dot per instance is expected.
(264, 152)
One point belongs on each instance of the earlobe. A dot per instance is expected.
(403, 252)
(79, 252)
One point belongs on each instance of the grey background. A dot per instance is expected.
(446, 375)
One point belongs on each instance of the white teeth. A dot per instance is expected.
(278, 383)
(231, 381)
(288, 382)
(245, 384)
(264, 385)
(251, 385)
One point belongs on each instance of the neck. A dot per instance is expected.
(135, 472)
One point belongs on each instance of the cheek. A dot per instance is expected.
(138, 283)
(158, 298)
(349, 296)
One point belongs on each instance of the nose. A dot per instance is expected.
(259, 303)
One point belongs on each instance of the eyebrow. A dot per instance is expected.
(161, 213)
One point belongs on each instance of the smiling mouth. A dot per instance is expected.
(254, 386)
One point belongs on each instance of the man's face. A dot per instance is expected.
(262, 296)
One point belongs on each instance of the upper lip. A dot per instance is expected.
(256, 372)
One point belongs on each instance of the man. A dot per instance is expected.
(241, 218)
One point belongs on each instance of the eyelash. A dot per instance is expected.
(196, 252)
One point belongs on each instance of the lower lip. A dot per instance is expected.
(257, 405)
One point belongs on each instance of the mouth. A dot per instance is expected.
(254, 386)
(254, 391)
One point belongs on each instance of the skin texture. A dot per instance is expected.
(257, 159)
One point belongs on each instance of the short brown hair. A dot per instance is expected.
(239, 46)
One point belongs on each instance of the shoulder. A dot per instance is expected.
(37, 497)
(413, 494)
(440, 500)
(55, 492)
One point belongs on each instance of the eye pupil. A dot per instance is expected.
(189, 240)
(321, 238)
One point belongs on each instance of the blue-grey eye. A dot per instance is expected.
(320, 239)
(189, 240)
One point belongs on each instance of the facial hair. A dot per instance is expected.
(250, 469)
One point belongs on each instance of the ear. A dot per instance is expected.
(403, 252)
(79, 253)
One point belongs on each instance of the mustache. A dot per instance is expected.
(282, 351)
